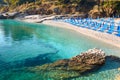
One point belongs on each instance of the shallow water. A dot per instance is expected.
(28, 45)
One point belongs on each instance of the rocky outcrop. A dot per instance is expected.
(2, 16)
(117, 77)
(9, 15)
(95, 13)
(69, 68)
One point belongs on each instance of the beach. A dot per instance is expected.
(102, 36)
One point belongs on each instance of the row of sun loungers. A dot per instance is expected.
(102, 25)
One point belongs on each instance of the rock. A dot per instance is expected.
(94, 13)
(69, 68)
(119, 69)
(2, 17)
(57, 10)
(117, 77)
(13, 15)
(92, 56)
(8, 15)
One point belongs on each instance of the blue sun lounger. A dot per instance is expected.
(103, 28)
(92, 24)
(77, 22)
(118, 31)
(85, 24)
(81, 23)
(96, 26)
(89, 24)
(72, 21)
(111, 30)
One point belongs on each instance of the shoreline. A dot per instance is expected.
(104, 37)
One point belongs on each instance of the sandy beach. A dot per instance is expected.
(105, 37)
(36, 18)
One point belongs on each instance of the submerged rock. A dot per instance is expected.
(117, 77)
(69, 68)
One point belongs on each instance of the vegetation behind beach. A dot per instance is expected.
(89, 7)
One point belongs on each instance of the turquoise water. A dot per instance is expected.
(28, 45)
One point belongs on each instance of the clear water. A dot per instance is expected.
(28, 45)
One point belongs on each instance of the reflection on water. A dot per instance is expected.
(20, 41)
(18, 32)
(25, 45)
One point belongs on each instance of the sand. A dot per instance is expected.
(102, 36)
(37, 18)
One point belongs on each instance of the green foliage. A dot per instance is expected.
(14, 2)
(7, 1)
(110, 8)
(11, 2)
(69, 1)
(107, 8)
(117, 8)
(25, 1)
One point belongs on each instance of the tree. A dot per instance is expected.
(110, 7)
(70, 1)
(14, 2)
(27, 1)
(11, 2)
(7, 1)
(64, 1)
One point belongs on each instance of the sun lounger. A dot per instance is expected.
(103, 28)
(81, 23)
(72, 21)
(92, 24)
(88, 25)
(111, 30)
(78, 22)
(97, 26)
(118, 31)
